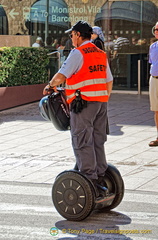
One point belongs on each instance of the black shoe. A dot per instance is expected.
(103, 191)
(102, 186)
(100, 191)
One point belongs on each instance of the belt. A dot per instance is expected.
(155, 76)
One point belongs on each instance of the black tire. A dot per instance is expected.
(114, 183)
(73, 196)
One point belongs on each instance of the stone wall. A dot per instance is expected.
(16, 11)
(15, 41)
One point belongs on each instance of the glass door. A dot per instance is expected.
(127, 27)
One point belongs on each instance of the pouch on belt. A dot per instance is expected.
(78, 104)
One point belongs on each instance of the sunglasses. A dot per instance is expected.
(156, 30)
(70, 35)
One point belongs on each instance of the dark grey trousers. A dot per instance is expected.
(88, 131)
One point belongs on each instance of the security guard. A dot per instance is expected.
(88, 86)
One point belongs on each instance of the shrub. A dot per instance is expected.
(23, 66)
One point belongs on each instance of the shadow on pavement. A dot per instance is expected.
(123, 110)
(115, 130)
(99, 225)
(29, 112)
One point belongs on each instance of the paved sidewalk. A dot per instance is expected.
(32, 150)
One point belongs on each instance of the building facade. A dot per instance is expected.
(129, 19)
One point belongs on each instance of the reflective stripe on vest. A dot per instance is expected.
(86, 83)
(90, 94)
(91, 78)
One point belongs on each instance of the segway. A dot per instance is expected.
(73, 194)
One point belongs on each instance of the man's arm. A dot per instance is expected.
(109, 87)
(114, 54)
(72, 64)
(109, 79)
(57, 79)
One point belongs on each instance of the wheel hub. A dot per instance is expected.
(70, 197)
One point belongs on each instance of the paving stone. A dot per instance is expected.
(32, 150)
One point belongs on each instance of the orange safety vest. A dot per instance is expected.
(91, 78)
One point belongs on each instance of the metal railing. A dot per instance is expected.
(58, 57)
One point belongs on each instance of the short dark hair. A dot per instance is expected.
(85, 35)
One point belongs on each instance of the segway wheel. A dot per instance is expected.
(73, 196)
(114, 183)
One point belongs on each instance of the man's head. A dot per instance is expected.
(155, 30)
(80, 32)
(39, 40)
(134, 40)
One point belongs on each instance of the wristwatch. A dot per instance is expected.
(50, 86)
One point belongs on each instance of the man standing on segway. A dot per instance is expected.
(88, 86)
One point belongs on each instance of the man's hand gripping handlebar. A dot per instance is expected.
(49, 89)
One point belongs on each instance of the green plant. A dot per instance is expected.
(23, 66)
